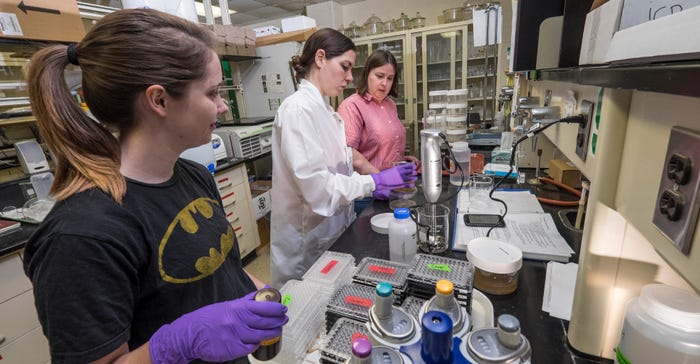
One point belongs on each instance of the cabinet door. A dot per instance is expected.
(481, 78)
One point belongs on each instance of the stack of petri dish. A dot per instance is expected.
(305, 303)
(371, 271)
(351, 301)
(336, 347)
(456, 119)
(426, 270)
(331, 270)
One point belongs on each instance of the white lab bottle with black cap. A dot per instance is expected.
(403, 241)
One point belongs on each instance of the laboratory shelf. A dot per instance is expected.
(671, 78)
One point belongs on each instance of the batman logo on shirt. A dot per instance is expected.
(194, 232)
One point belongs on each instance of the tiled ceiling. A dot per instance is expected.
(251, 11)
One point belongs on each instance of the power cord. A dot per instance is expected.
(578, 119)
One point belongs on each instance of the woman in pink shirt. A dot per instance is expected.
(372, 126)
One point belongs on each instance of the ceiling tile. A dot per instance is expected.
(242, 19)
(272, 2)
(242, 6)
(268, 12)
(294, 6)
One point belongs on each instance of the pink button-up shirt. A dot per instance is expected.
(373, 128)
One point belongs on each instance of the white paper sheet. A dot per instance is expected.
(495, 20)
(559, 286)
(518, 202)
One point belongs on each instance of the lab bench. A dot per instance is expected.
(547, 335)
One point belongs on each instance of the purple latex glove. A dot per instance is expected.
(218, 332)
(395, 177)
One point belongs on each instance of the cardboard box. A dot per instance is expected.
(601, 24)
(268, 30)
(262, 203)
(41, 20)
(297, 23)
(565, 172)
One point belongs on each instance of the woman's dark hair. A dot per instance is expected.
(379, 58)
(333, 42)
(121, 56)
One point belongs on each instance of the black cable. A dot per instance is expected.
(579, 119)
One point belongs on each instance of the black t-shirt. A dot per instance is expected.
(106, 274)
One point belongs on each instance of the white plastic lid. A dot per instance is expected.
(436, 106)
(494, 256)
(380, 222)
(459, 146)
(456, 106)
(438, 93)
(457, 119)
(673, 306)
(456, 131)
(457, 92)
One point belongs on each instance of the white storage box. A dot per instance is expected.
(268, 30)
(297, 23)
(601, 23)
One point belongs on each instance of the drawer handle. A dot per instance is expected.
(222, 180)
(227, 195)
(225, 187)
(233, 202)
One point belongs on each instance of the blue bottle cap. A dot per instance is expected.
(437, 341)
(402, 213)
(384, 289)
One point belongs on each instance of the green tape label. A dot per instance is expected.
(286, 299)
(442, 267)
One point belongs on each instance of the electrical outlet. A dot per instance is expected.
(677, 205)
(584, 130)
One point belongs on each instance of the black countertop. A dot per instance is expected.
(547, 335)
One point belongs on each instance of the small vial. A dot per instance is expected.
(268, 349)
(521, 177)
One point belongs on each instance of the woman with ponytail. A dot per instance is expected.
(137, 262)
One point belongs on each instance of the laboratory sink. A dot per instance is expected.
(565, 220)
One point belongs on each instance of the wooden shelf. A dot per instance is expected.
(17, 121)
(295, 36)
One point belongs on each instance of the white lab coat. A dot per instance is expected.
(313, 183)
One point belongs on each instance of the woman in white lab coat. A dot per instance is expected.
(314, 182)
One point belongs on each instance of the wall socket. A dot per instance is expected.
(677, 205)
(584, 130)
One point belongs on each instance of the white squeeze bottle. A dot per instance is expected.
(402, 236)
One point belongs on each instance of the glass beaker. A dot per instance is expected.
(479, 188)
(433, 228)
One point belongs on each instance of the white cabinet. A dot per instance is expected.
(21, 338)
(440, 57)
(235, 194)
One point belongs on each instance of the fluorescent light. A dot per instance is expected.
(214, 9)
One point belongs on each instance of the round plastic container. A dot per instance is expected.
(463, 156)
(458, 96)
(456, 122)
(456, 135)
(457, 110)
(438, 97)
(440, 122)
(497, 265)
(662, 325)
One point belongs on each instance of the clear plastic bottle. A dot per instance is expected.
(463, 155)
(403, 241)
